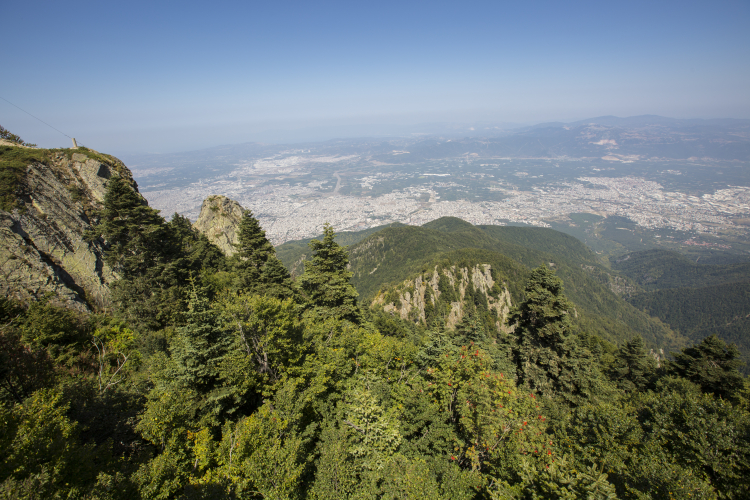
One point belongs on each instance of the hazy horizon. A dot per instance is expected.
(145, 78)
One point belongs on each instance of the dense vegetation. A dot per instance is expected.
(697, 300)
(220, 377)
(661, 269)
(293, 253)
(386, 258)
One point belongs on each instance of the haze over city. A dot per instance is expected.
(145, 77)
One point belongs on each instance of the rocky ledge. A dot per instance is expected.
(42, 248)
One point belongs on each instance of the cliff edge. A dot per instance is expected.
(48, 199)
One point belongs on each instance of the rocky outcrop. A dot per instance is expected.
(42, 249)
(219, 219)
(410, 299)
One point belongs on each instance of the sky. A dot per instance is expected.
(156, 77)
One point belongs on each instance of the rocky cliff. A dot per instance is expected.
(219, 219)
(50, 197)
(414, 297)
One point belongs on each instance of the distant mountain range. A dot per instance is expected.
(638, 137)
(649, 121)
(646, 136)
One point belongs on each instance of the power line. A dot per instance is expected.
(50, 126)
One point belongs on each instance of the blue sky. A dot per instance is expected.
(129, 77)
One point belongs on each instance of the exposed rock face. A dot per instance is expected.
(42, 250)
(219, 219)
(414, 294)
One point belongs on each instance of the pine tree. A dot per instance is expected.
(542, 325)
(633, 368)
(549, 357)
(276, 279)
(143, 249)
(199, 347)
(259, 271)
(713, 365)
(137, 236)
(471, 330)
(325, 282)
(253, 247)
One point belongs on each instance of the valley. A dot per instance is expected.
(634, 197)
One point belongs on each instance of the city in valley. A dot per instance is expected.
(356, 185)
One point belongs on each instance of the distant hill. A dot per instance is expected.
(656, 137)
(386, 258)
(658, 269)
(293, 253)
(697, 300)
(696, 313)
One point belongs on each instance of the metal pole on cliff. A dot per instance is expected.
(75, 144)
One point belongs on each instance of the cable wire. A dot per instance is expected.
(50, 126)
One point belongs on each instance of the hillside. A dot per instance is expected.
(722, 310)
(293, 253)
(697, 300)
(659, 269)
(204, 375)
(386, 258)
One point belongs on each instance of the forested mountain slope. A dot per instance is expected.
(387, 257)
(660, 269)
(697, 300)
(392, 255)
(294, 253)
(214, 377)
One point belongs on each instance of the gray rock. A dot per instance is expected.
(219, 219)
(42, 250)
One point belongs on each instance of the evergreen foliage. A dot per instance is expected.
(697, 300)
(713, 365)
(137, 237)
(325, 282)
(548, 355)
(256, 264)
(223, 378)
(383, 260)
(633, 368)
(253, 251)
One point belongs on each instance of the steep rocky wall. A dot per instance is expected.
(42, 250)
(219, 219)
(413, 294)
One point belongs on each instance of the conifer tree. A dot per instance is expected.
(713, 365)
(199, 347)
(471, 330)
(548, 356)
(143, 250)
(253, 246)
(137, 236)
(276, 279)
(259, 270)
(633, 368)
(542, 324)
(325, 282)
